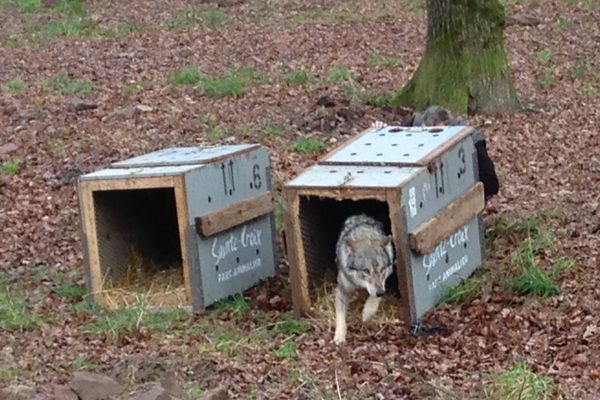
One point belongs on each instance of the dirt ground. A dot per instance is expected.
(50, 133)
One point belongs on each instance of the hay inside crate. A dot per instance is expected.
(321, 221)
(139, 247)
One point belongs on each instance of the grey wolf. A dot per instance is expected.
(436, 116)
(364, 256)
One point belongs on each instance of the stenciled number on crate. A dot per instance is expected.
(256, 178)
(463, 166)
(227, 172)
(439, 180)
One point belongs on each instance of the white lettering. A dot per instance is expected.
(247, 238)
(239, 269)
(458, 238)
(454, 268)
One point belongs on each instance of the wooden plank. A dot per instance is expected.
(130, 183)
(403, 268)
(440, 227)
(236, 214)
(182, 224)
(296, 258)
(343, 193)
(466, 131)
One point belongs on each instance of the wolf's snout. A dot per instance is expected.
(380, 292)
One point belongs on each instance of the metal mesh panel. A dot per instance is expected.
(136, 229)
(321, 221)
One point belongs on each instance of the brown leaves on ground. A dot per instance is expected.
(547, 157)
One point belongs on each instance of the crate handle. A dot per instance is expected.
(236, 214)
(440, 227)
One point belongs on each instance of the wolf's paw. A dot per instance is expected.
(339, 339)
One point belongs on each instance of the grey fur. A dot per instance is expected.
(365, 258)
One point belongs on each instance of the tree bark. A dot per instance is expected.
(465, 66)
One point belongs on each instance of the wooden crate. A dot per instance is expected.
(420, 182)
(181, 226)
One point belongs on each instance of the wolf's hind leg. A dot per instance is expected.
(370, 308)
(341, 309)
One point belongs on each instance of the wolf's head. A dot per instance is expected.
(370, 263)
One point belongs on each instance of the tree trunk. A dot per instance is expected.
(465, 66)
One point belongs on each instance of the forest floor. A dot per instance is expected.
(85, 85)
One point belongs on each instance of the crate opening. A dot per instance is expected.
(139, 247)
(321, 221)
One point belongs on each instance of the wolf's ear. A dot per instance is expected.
(351, 243)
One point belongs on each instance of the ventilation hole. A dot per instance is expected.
(237, 260)
(387, 171)
(360, 171)
(435, 135)
(257, 251)
(427, 276)
(251, 185)
(394, 130)
(465, 245)
(217, 267)
(458, 175)
(230, 192)
(352, 154)
(382, 134)
(209, 199)
(406, 154)
(368, 144)
(442, 190)
(379, 154)
(409, 134)
(333, 171)
(434, 130)
(420, 204)
(421, 145)
(394, 144)
(447, 258)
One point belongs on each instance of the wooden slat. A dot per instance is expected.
(403, 268)
(236, 214)
(428, 235)
(181, 208)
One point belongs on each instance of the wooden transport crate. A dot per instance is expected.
(180, 226)
(420, 182)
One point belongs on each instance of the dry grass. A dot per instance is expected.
(159, 286)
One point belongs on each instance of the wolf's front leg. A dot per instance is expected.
(341, 309)
(370, 308)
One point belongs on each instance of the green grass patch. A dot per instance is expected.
(271, 131)
(185, 76)
(24, 6)
(467, 289)
(215, 134)
(195, 391)
(84, 306)
(340, 74)
(214, 19)
(544, 56)
(307, 145)
(116, 323)
(121, 30)
(382, 61)
(531, 279)
(132, 89)
(81, 363)
(300, 78)
(71, 292)
(588, 91)
(14, 86)
(286, 350)
(231, 82)
(547, 78)
(73, 26)
(565, 24)
(9, 374)
(192, 16)
(71, 7)
(63, 84)
(15, 314)
(520, 383)
(235, 304)
(287, 326)
(10, 167)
